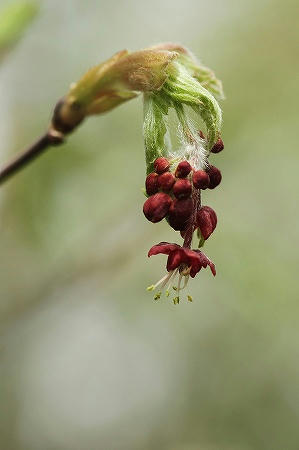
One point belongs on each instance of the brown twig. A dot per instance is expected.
(49, 139)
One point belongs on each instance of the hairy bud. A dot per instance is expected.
(215, 177)
(157, 206)
(166, 181)
(218, 146)
(200, 179)
(183, 169)
(151, 183)
(161, 165)
(206, 221)
(182, 188)
(179, 213)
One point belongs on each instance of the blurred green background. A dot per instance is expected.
(87, 360)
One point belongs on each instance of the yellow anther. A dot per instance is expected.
(176, 300)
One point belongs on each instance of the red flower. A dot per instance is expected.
(175, 196)
(186, 260)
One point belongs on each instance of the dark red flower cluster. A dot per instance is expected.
(174, 195)
(174, 191)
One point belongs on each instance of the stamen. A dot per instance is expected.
(185, 281)
(163, 280)
(168, 277)
(179, 282)
(167, 292)
(157, 296)
(190, 299)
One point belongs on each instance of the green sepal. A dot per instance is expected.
(202, 241)
(182, 88)
(154, 128)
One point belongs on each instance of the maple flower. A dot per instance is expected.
(179, 170)
(181, 261)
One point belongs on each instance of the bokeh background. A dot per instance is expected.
(88, 361)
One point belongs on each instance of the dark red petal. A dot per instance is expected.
(194, 261)
(206, 262)
(156, 207)
(163, 247)
(213, 268)
(175, 258)
(213, 215)
(206, 221)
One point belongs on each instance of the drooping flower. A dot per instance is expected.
(182, 262)
(186, 260)
(179, 202)
(180, 174)
(206, 221)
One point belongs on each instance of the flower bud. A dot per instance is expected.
(156, 207)
(161, 165)
(165, 181)
(218, 146)
(215, 176)
(183, 169)
(200, 179)
(120, 78)
(206, 221)
(151, 183)
(182, 188)
(179, 213)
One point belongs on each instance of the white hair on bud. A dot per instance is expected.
(192, 147)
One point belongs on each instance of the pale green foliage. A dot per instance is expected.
(120, 79)
(13, 21)
(169, 76)
(154, 128)
(203, 74)
(181, 89)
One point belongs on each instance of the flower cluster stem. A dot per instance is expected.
(196, 198)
